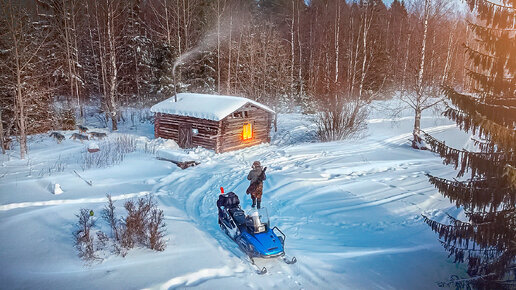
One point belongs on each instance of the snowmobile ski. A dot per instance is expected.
(259, 271)
(289, 260)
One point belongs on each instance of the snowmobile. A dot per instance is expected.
(254, 235)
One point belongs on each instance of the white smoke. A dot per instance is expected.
(227, 26)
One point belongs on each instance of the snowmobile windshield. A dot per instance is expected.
(262, 215)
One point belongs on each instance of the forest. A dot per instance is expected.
(331, 57)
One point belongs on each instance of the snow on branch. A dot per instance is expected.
(486, 194)
(487, 164)
(502, 111)
(494, 14)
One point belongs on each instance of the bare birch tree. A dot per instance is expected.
(424, 93)
(24, 43)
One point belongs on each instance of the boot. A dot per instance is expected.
(254, 203)
(259, 202)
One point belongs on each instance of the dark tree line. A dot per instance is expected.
(487, 240)
(328, 56)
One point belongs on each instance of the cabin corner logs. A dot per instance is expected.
(221, 136)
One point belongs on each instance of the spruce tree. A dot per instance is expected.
(487, 109)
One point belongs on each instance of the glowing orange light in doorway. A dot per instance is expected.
(247, 132)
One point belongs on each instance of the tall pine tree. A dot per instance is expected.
(487, 241)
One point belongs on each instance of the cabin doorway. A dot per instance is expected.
(185, 136)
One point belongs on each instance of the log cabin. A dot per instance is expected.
(220, 123)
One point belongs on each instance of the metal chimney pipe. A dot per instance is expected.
(175, 85)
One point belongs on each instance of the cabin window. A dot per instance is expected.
(247, 131)
(243, 114)
(195, 131)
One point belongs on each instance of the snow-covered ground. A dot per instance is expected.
(351, 211)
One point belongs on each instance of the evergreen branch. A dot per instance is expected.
(494, 40)
(486, 164)
(494, 99)
(503, 137)
(486, 195)
(500, 137)
(470, 104)
(485, 146)
(497, 234)
(488, 77)
(510, 175)
(479, 59)
(496, 83)
(499, 5)
(474, 26)
(492, 13)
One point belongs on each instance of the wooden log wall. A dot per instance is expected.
(231, 129)
(167, 126)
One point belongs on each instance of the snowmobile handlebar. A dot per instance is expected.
(282, 234)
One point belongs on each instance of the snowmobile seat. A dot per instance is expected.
(238, 215)
(232, 200)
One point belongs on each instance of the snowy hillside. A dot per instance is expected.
(351, 211)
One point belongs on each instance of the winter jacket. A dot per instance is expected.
(254, 173)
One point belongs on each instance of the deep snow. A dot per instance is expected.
(351, 211)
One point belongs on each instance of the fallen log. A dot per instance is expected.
(181, 164)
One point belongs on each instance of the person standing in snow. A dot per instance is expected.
(256, 176)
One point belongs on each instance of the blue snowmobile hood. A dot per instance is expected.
(265, 244)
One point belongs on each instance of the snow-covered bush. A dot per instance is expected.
(143, 225)
(341, 121)
(58, 166)
(84, 240)
(108, 214)
(156, 228)
(112, 151)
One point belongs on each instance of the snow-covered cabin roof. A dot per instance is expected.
(203, 106)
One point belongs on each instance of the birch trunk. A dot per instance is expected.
(102, 54)
(355, 57)
(66, 35)
(228, 82)
(448, 58)
(16, 31)
(300, 72)
(186, 21)
(419, 84)
(77, 75)
(2, 132)
(113, 68)
(405, 66)
(218, 46)
(416, 142)
(93, 51)
(337, 46)
(367, 25)
(20, 105)
(292, 52)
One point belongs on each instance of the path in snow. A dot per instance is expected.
(359, 199)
